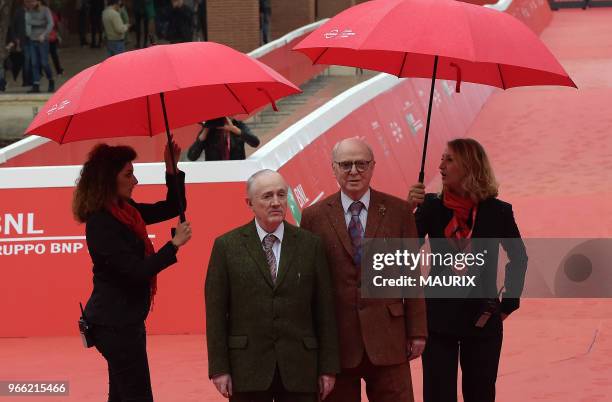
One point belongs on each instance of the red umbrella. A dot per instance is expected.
(125, 95)
(439, 39)
(144, 92)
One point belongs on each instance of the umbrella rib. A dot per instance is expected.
(236, 98)
(149, 117)
(66, 129)
(399, 74)
(319, 56)
(501, 77)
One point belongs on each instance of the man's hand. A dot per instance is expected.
(415, 347)
(41, 38)
(326, 385)
(229, 126)
(223, 382)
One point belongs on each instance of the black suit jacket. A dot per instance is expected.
(121, 272)
(494, 221)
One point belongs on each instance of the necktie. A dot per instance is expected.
(355, 229)
(268, 242)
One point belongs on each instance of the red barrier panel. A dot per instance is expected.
(52, 154)
(40, 290)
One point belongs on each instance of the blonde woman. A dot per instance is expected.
(467, 329)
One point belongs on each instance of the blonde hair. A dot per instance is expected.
(479, 181)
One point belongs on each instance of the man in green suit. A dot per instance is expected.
(270, 324)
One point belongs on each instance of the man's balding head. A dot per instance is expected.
(267, 197)
(353, 165)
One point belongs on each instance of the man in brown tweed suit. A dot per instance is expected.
(378, 337)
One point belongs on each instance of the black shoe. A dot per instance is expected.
(35, 89)
(51, 86)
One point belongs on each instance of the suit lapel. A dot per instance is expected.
(376, 213)
(288, 247)
(255, 249)
(335, 213)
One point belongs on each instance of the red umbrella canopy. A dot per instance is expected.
(121, 96)
(402, 37)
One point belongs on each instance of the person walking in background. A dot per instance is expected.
(201, 24)
(270, 326)
(54, 41)
(82, 7)
(144, 18)
(39, 23)
(96, 7)
(114, 28)
(18, 41)
(378, 337)
(180, 24)
(125, 263)
(125, 18)
(468, 330)
(265, 12)
(140, 23)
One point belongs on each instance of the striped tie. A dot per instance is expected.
(355, 229)
(268, 242)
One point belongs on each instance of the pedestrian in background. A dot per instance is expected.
(55, 40)
(114, 28)
(96, 7)
(39, 23)
(180, 24)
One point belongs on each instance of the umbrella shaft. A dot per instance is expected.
(170, 148)
(431, 93)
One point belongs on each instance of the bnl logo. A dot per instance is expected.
(336, 33)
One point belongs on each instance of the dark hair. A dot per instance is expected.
(214, 123)
(97, 184)
(112, 2)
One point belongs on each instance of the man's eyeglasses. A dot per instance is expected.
(347, 166)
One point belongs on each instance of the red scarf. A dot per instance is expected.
(125, 213)
(462, 207)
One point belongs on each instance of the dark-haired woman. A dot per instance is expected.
(467, 329)
(125, 264)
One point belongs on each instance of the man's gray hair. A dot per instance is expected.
(254, 176)
(357, 139)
